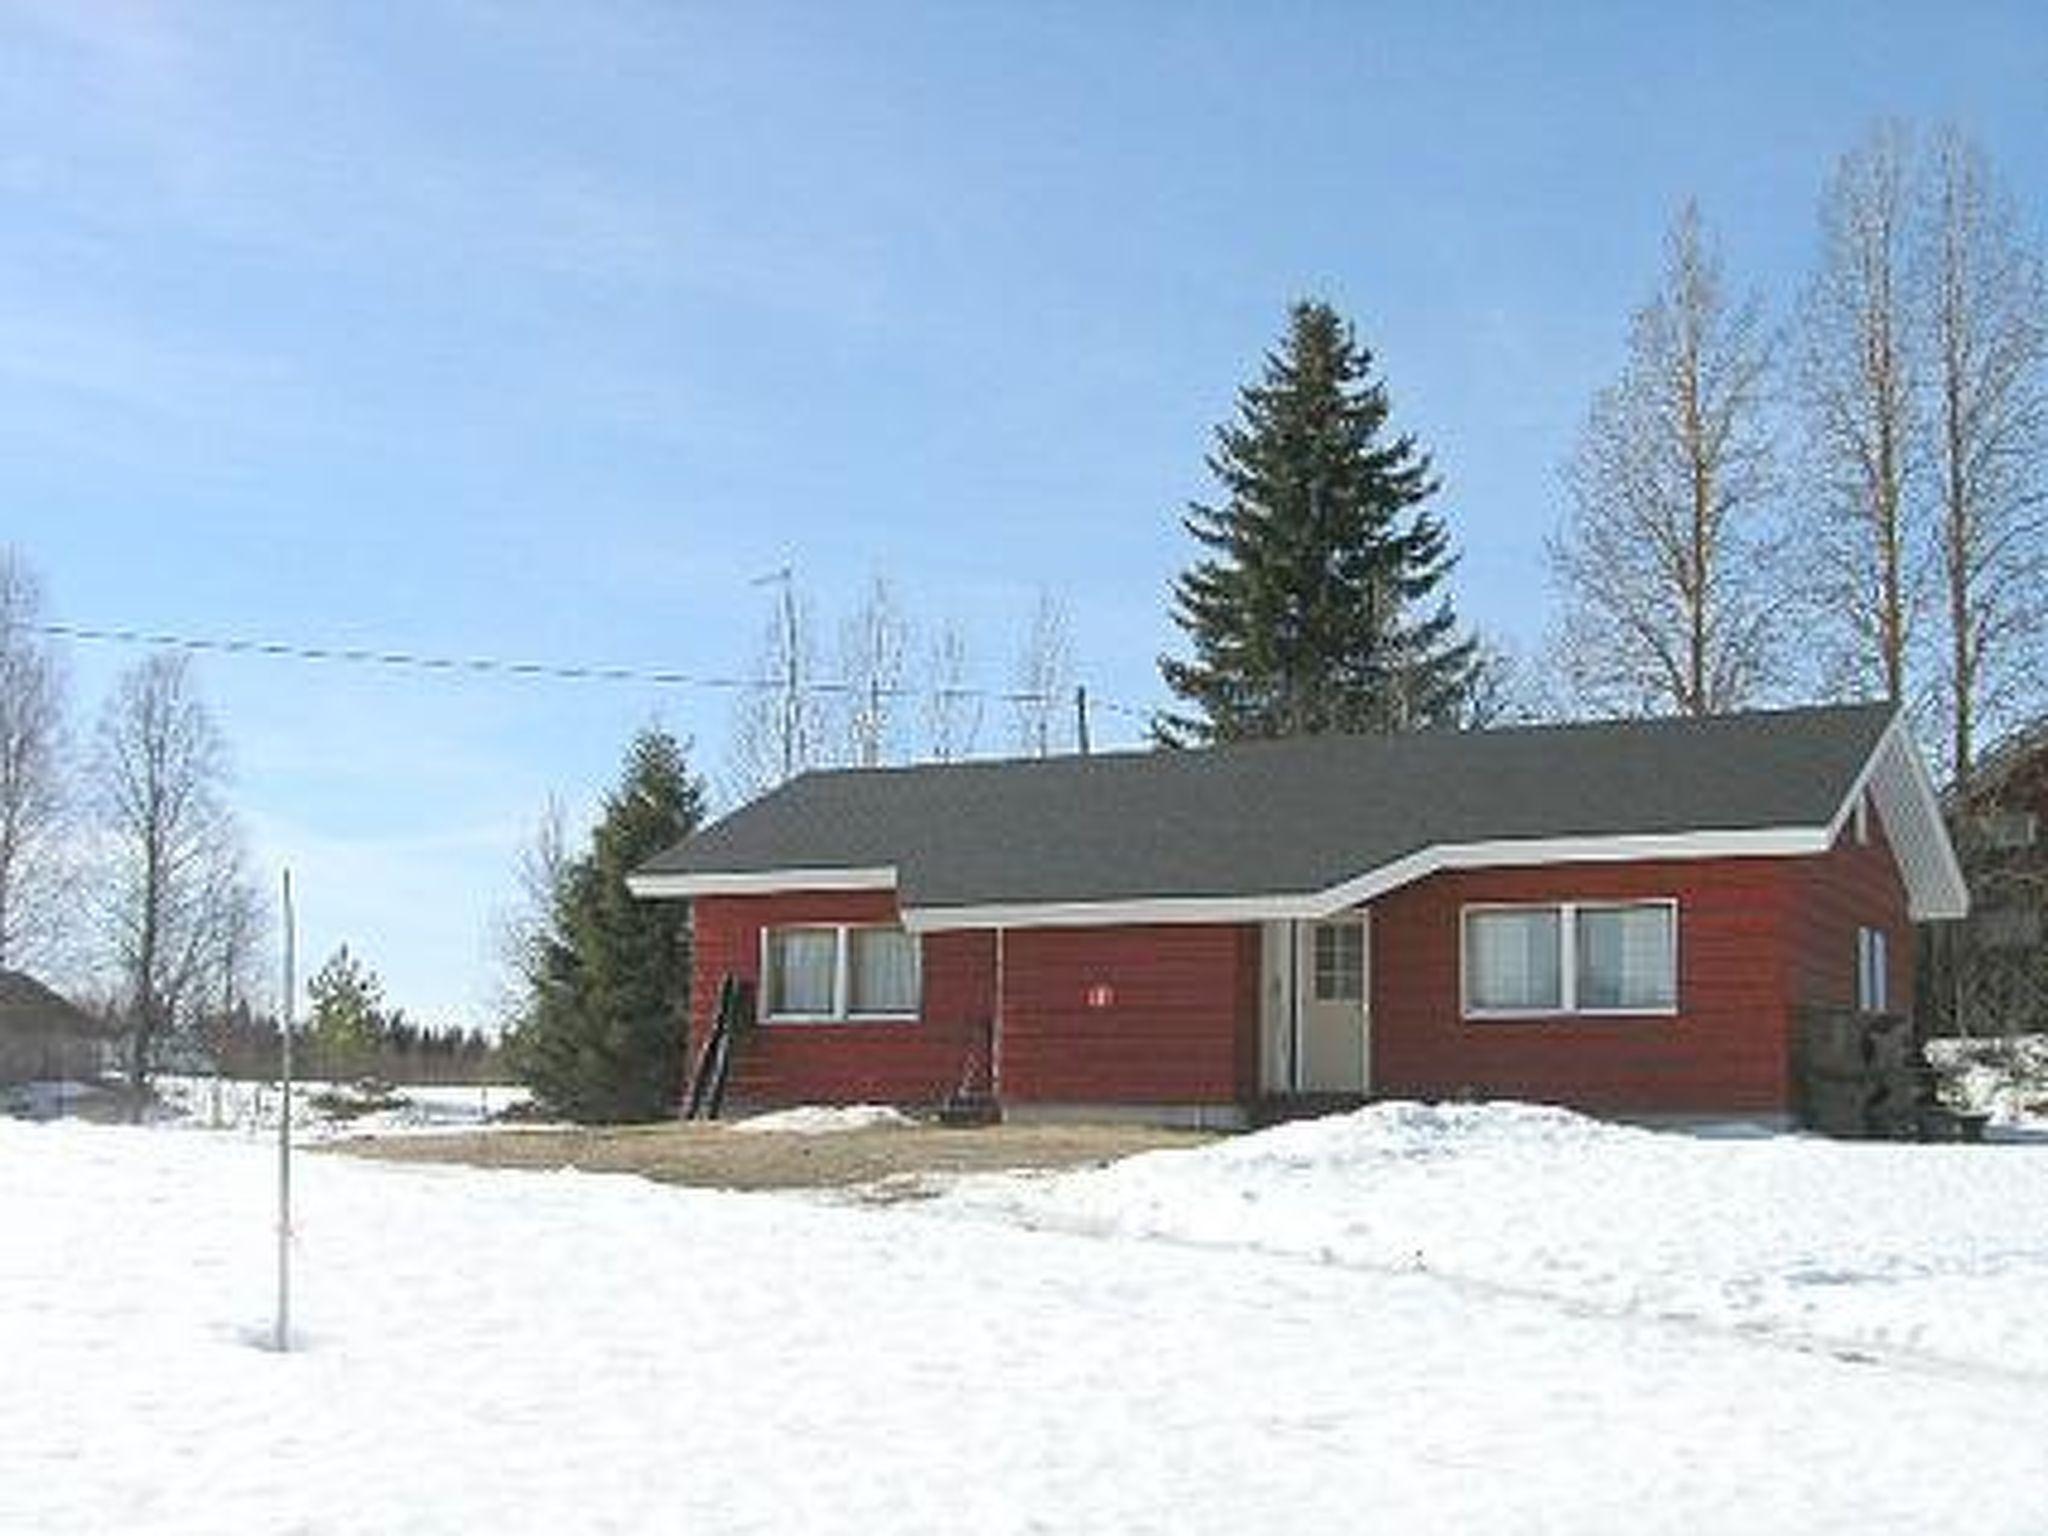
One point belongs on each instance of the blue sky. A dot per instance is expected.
(539, 331)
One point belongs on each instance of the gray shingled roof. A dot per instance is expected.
(1302, 815)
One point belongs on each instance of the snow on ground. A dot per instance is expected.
(2005, 1077)
(1940, 1251)
(826, 1119)
(511, 1352)
(235, 1104)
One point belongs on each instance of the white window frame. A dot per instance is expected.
(1568, 959)
(1873, 970)
(842, 975)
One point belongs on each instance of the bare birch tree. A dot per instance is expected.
(1857, 381)
(32, 800)
(874, 646)
(1662, 562)
(176, 892)
(779, 723)
(1045, 680)
(1986, 309)
(1499, 691)
(952, 708)
(522, 931)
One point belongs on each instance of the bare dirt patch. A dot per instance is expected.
(892, 1158)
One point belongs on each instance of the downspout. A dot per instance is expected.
(1294, 1005)
(995, 1034)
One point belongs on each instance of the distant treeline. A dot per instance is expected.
(242, 1046)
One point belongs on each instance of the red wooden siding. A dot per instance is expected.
(1725, 1050)
(1174, 1018)
(897, 1062)
(1854, 885)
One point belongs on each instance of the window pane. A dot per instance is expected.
(884, 965)
(1871, 975)
(1628, 957)
(1340, 963)
(801, 962)
(1511, 959)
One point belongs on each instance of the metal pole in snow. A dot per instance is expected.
(284, 1133)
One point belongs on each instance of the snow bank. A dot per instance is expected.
(1936, 1250)
(825, 1119)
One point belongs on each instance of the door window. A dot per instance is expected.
(1340, 963)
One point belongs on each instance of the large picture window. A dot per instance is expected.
(820, 973)
(1571, 957)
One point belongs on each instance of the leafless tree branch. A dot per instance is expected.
(32, 798)
(1665, 564)
(177, 906)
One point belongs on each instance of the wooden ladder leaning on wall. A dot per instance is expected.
(714, 1059)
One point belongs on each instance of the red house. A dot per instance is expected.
(1620, 916)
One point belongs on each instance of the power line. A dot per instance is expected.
(412, 660)
(573, 672)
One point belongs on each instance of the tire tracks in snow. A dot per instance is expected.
(1760, 1334)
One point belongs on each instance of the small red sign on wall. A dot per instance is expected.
(1101, 994)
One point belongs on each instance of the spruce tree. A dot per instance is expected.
(349, 1021)
(1317, 605)
(600, 1037)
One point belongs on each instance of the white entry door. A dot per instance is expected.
(1334, 1014)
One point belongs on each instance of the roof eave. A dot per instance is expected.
(1896, 777)
(672, 885)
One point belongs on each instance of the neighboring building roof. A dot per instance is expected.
(2011, 756)
(1309, 825)
(26, 1004)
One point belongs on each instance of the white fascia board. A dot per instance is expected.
(1860, 786)
(1910, 806)
(1950, 900)
(1506, 853)
(1099, 914)
(1896, 777)
(762, 882)
(1525, 853)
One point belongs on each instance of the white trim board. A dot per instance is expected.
(761, 882)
